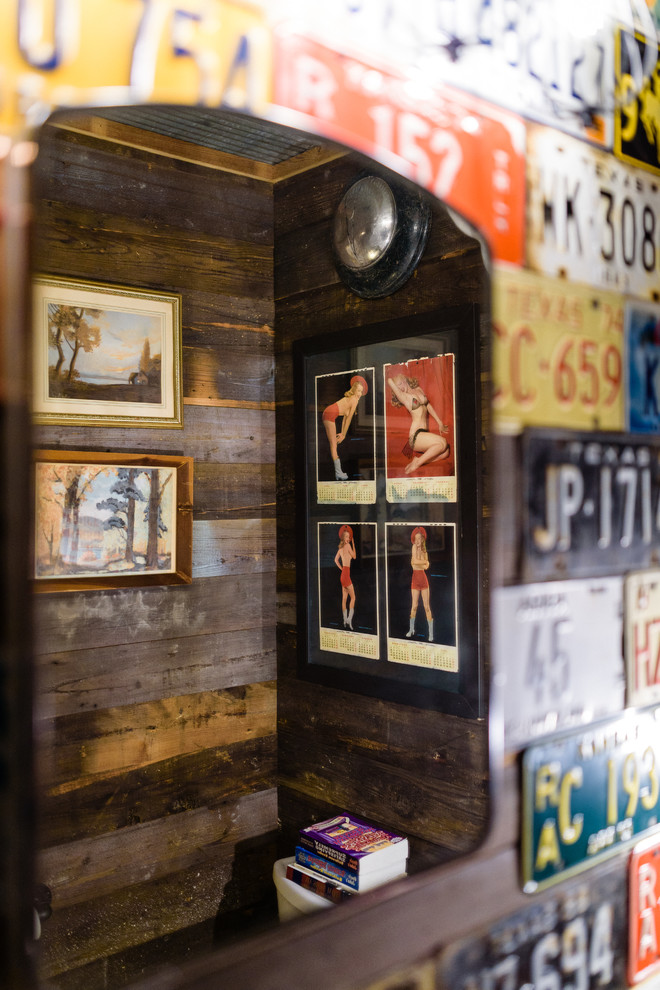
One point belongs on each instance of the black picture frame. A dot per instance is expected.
(439, 665)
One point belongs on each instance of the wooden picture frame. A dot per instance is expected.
(105, 355)
(94, 525)
(366, 498)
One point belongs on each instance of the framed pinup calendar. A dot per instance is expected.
(389, 510)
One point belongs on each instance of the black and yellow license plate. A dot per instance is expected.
(586, 794)
(573, 937)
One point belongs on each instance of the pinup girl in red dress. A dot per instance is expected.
(345, 554)
(420, 582)
(344, 407)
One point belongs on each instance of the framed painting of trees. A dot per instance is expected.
(106, 355)
(111, 520)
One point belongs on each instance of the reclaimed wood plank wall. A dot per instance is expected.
(155, 714)
(418, 771)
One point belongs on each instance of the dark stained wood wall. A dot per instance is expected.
(155, 716)
(418, 771)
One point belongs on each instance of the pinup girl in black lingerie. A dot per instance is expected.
(344, 407)
(422, 446)
(345, 554)
(420, 583)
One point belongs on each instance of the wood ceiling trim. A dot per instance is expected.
(159, 144)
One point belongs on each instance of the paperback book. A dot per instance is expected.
(349, 878)
(354, 845)
(322, 886)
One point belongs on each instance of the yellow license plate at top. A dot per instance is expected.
(557, 353)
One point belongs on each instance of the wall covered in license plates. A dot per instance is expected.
(538, 123)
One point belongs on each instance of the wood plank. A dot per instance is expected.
(75, 168)
(229, 373)
(241, 546)
(419, 741)
(231, 435)
(150, 254)
(304, 263)
(97, 867)
(297, 810)
(451, 815)
(207, 310)
(109, 618)
(234, 490)
(134, 137)
(426, 913)
(80, 934)
(230, 403)
(112, 740)
(306, 313)
(157, 790)
(139, 961)
(304, 198)
(90, 678)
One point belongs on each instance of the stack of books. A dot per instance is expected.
(345, 856)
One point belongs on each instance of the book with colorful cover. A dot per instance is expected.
(323, 886)
(354, 844)
(354, 881)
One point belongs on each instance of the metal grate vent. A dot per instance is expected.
(221, 130)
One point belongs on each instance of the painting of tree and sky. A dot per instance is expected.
(104, 354)
(94, 519)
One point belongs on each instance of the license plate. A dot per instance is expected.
(591, 504)
(636, 118)
(644, 910)
(548, 639)
(585, 794)
(457, 146)
(591, 218)
(576, 939)
(642, 375)
(557, 354)
(642, 637)
(522, 56)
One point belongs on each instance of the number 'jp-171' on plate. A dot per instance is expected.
(591, 503)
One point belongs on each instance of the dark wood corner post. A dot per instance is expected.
(16, 797)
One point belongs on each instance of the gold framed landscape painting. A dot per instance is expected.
(106, 355)
(111, 520)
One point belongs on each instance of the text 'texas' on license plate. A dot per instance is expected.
(591, 503)
(586, 793)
